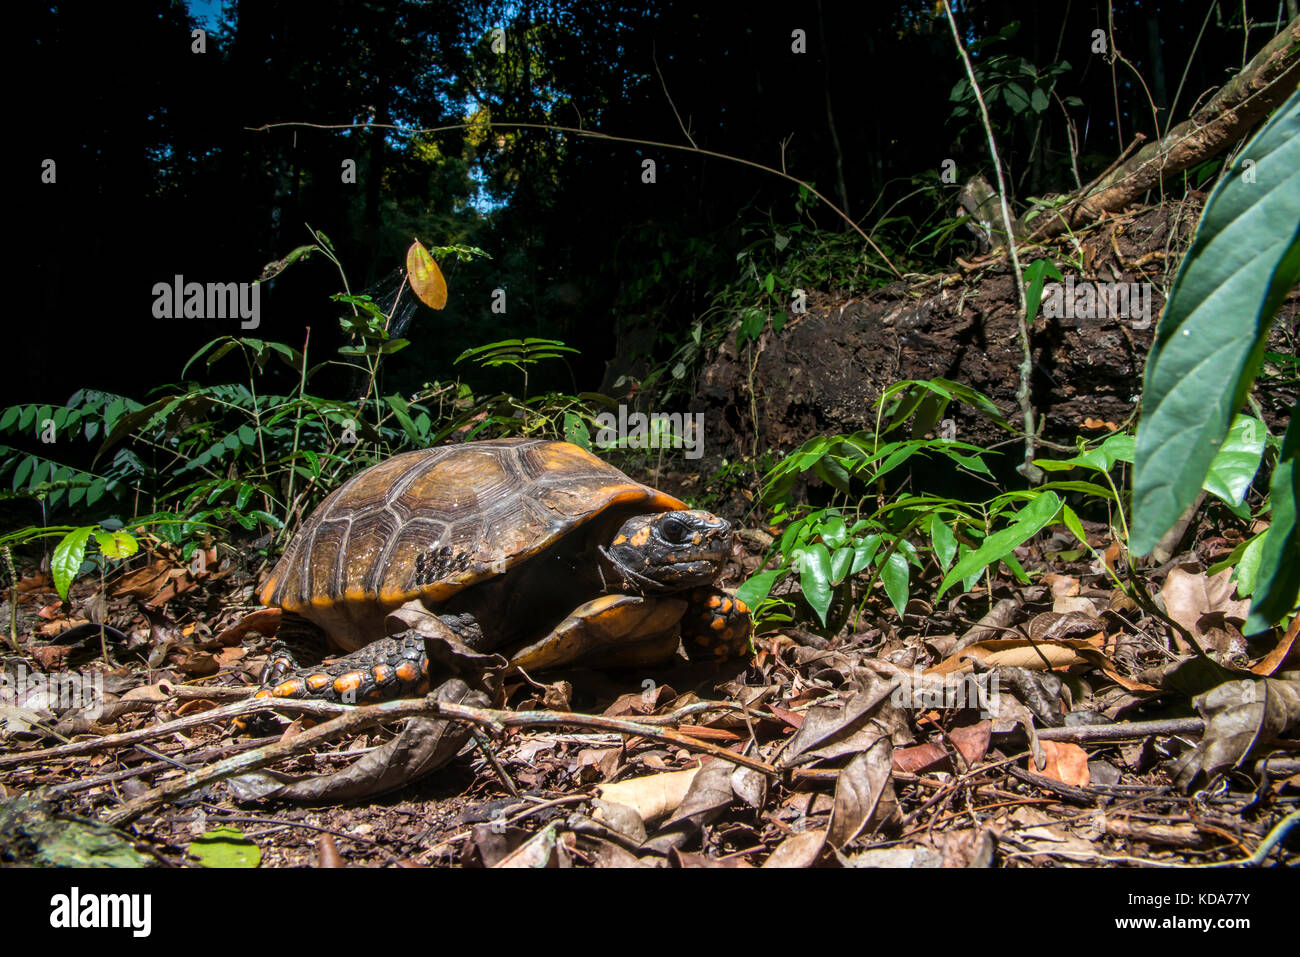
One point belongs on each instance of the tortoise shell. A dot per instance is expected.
(431, 523)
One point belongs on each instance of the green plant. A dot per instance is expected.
(1209, 345)
(1025, 89)
(516, 353)
(113, 541)
(869, 533)
(199, 456)
(35, 472)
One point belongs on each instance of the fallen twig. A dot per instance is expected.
(357, 718)
(1123, 731)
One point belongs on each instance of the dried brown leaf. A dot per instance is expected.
(863, 793)
(621, 818)
(798, 850)
(1066, 762)
(1202, 604)
(1238, 716)
(843, 727)
(652, 797)
(538, 851)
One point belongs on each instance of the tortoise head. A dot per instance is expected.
(669, 551)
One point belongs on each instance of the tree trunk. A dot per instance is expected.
(1238, 106)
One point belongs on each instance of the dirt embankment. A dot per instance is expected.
(824, 371)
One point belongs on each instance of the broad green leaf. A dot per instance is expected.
(942, 540)
(1017, 569)
(863, 552)
(830, 471)
(841, 563)
(1115, 448)
(1277, 588)
(267, 518)
(815, 578)
(225, 847)
(244, 494)
(23, 471)
(1036, 276)
(1246, 573)
(96, 491)
(1234, 468)
(1075, 526)
(292, 357)
(576, 431)
(974, 463)
(116, 544)
(1031, 519)
(67, 559)
(894, 575)
(114, 432)
(753, 591)
(833, 532)
(1243, 261)
(223, 345)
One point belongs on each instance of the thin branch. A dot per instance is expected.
(685, 132)
(592, 134)
(346, 719)
(1124, 731)
(1027, 469)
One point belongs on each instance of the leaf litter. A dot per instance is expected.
(1048, 724)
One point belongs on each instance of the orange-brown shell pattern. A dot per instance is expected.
(430, 523)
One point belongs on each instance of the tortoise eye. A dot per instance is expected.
(674, 531)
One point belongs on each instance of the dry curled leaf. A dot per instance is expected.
(1238, 716)
(1205, 606)
(652, 797)
(798, 850)
(844, 727)
(863, 793)
(264, 621)
(543, 849)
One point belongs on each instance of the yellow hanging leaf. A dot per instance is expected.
(425, 277)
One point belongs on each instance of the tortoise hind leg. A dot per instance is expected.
(384, 669)
(396, 666)
(390, 667)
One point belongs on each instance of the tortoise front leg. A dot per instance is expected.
(612, 631)
(716, 624)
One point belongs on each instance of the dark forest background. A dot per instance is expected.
(160, 169)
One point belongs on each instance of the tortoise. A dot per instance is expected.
(535, 548)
